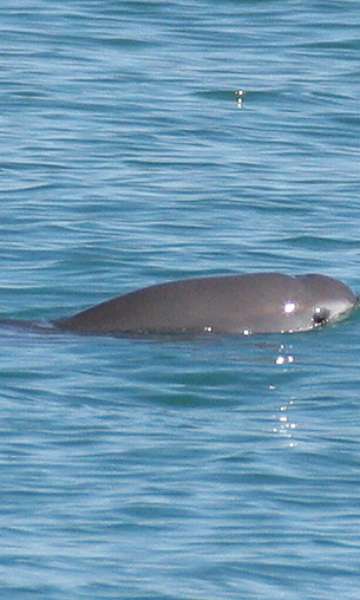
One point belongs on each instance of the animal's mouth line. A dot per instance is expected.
(345, 313)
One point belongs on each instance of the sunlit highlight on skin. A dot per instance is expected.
(289, 307)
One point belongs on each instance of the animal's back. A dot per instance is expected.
(227, 304)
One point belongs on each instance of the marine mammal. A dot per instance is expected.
(230, 304)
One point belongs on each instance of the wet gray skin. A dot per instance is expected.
(242, 304)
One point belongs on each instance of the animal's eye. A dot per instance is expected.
(320, 316)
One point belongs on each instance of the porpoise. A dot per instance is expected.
(231, 304)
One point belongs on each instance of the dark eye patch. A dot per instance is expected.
(320, 316)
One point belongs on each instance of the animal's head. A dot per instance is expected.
(327, 299)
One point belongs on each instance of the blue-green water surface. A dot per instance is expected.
(177, 469)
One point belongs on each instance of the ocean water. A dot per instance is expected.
(225, 468)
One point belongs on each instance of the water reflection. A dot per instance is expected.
(240, 98)
(285, 424)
